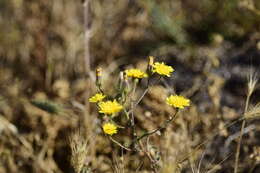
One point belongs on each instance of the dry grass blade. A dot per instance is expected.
(217, 167)
(252, 81)
(6, 125)
(118, 164)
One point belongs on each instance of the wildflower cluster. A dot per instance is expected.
(118, 109)
(122, 104)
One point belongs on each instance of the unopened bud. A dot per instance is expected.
(98, 72)
(121, 75)
(98, 78)
(151, 60)
(125, 77)
(150, 65)
(126, 83)
(121, 80)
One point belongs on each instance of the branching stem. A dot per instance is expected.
(165, 125)
(119, 144)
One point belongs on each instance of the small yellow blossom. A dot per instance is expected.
(109, 128)
(97, 98)
(177, 101)
(135, 73)
(162, 69)
(110, 107)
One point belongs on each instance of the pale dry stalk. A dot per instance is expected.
(251, 87)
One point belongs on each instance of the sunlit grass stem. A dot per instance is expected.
(251, 87)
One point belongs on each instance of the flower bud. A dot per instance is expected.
(151, 60)
(98, 72)
(98, 78)
(150, 65)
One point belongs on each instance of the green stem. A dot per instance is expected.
(165, 125)
(119, 144)
(132, 120)
(145, 91)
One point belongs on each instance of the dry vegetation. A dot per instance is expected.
(47, 125)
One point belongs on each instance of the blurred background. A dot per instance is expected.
(49, 50)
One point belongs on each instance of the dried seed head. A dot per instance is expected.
(78, 147)
(252, 81)
(256, 154)
(253, 112)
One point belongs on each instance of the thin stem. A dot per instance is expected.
(87, 36)
(149, 156)
(217, 165)
(241, 135)
(85, 120)
(132, 121)
(119, 144)
(145, 91)
(126, 113)
(98, 84)
(142, 96)
(165, 125)
(207, 140)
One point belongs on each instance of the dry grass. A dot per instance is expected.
(43, 84)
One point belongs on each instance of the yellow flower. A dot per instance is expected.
(110, 107)
(135, 73)
(177, 101)
(96, 98)
(162, 69)
(109, 128)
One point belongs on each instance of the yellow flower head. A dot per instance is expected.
(109, 128)
(110, 107)
(135, 73)
(96, 98)
(162, 69)
(177, 101)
